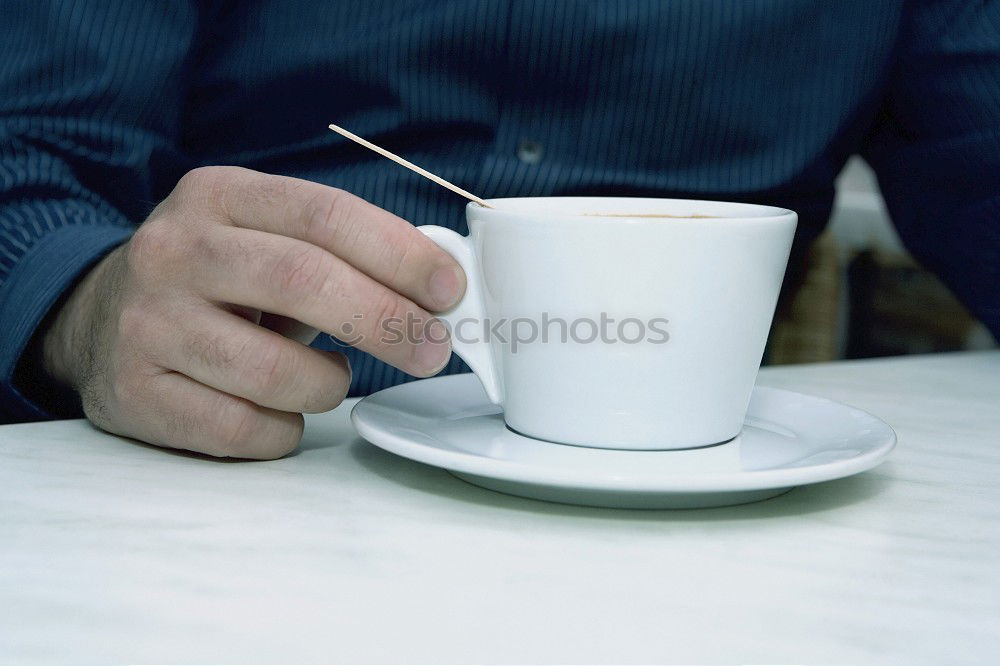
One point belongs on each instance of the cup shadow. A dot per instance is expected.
(804, 500)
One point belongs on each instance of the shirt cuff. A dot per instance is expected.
(47, 270)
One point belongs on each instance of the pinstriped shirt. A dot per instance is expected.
(104, 104)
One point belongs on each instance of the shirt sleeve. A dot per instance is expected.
(90, 95)
(936, 147)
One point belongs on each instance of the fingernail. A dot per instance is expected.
(432, 353)
(445, 287)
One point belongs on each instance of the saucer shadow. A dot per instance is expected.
(798, 501)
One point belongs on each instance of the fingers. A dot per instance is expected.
(228, 353)
(181, 413)
(385, 247)
(302, 281)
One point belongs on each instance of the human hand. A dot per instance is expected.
(194, 333)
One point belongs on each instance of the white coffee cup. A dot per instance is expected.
(655, 313)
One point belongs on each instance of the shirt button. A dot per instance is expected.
(529, 152)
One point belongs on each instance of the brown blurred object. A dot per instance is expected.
(872, 303)
(806, 327)
(898, 307)
(861, 295)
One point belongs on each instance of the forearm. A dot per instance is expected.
(85, 114)
(32, 281)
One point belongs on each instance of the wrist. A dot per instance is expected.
(54, 348)
(65, 343)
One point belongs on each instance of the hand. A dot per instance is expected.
(191, 334)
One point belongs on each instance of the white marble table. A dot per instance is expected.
(110, 550)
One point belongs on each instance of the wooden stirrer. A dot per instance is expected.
(410, 165)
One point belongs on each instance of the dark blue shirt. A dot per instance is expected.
(104, 104)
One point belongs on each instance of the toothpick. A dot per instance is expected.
(410, 165)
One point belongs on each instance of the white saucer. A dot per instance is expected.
(789, 439)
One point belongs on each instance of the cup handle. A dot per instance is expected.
(477, 353)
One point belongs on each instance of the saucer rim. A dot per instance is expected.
(471, 463)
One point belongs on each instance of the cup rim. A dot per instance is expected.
(704, 211)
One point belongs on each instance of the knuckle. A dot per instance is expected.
(242, 431)
(235, 427)
(155, 249)
(272, 366)
(124, 387)
(303, 270)
(397, 257)
(328, 216)
(202, 178)
(280, 190)
(387, 309)
(135, 325)
(131, 323)
(332, 393)
(139, 339)
(205, 187)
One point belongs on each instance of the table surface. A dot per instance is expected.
(113, 550)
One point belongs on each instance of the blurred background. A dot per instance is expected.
(864, 295)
